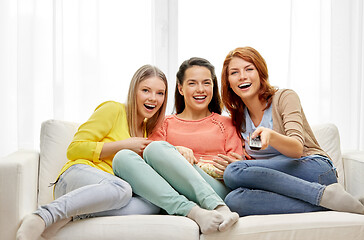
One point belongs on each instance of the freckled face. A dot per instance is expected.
(150, 97)
(243, 78)
(197, 88)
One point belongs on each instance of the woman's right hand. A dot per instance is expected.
(136, 144)
(187, 153)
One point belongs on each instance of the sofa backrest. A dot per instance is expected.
(56, 135)
(328, 137)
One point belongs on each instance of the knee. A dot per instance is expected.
(155, 147)
(232, 173)
(235, 201)
(122, 159)
(120, 191)
(155, 151)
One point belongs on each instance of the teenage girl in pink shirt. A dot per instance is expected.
(165, 175)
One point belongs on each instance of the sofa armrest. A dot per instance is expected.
(354, 172)
(18, 190)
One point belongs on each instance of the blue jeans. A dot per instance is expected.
(165, 178)
(278, 186)
(83, 191)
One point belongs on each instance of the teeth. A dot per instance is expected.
(149, 106)
(245, 85)
(200, 97)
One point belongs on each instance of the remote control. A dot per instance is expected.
(255, 143)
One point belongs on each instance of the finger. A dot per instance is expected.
(219, 172)
(221, 162)
(247, 156)
(227, 158)
(257, 132)
(237, 156)
(147, 141)
(219, 167)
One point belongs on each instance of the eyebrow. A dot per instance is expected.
(194, 80)
(235, 68)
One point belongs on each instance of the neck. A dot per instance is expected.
(255, 108)
(140, 128)
(188, 114)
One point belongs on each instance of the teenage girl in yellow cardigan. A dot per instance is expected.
(87, 186)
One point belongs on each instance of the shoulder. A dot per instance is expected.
(169, 118)
(111, 105)
(283, 96)
(226, 121)
(110, 109)
(285, 93)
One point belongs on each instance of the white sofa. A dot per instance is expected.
(25, 176)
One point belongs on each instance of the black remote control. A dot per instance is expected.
(255, 143)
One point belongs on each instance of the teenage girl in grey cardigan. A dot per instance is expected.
(290, 173)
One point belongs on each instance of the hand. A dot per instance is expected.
(136, 144)
(246, 155)
(223, 161)
(187, 153)
(265, 135)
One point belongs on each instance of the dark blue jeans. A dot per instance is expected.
(278, 186)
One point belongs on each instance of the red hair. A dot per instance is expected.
(233, 102)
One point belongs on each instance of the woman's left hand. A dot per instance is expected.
(187, 153)
(223, 161)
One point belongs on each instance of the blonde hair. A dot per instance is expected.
(140, 75)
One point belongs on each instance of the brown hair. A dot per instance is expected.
(233, 102)
(140, 75)
(179, 102)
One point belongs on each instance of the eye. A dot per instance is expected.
(145, 90)
(191, 83)
(233, 72)
(208, 83)
(250, 69)
(161, 93)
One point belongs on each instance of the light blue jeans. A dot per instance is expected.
(278, 186)
(164, 177)
(83, 191)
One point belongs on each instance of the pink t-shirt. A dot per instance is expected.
(207, 137)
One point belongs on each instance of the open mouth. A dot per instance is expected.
(149, 106)
(199, 97)
(244, 85)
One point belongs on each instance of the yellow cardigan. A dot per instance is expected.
(107, 124)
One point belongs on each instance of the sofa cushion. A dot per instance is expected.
(313, 226)
(328, 137)
(55, 136)
(161, 227)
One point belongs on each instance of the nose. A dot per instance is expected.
(200, 87)
(243, 75)
(152, 97)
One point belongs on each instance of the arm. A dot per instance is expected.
(288, 146)
(233, 148)
(287, 108)
(87, 142)
(136, 144)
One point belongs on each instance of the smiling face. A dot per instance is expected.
(197, 89)
(243, 78)
(150, 97)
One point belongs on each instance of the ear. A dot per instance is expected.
(180, 89)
